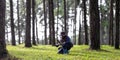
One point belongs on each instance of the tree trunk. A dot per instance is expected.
(53, 23)
(37, 31)
(117, 24)
(51, 18)
(12, 23)
(28, 24)
(67, 16)
(74, 28)
(3, 50)
(65, 22)
(19, 40)
(7, 39)
(94, 25)
(33, 23)
(111, 41)
(101, 26)
(57, 18)
(45, 20)
(79, 36)
(85, 22)
(50, 33)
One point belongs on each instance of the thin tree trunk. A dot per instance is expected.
(45, 20)
(12, 23)
(101, 36)
(51, 17)
(53, 23)
(117, 20)
(50, 33)
(85, 22)
(57, 17)
(7, 39)
(65, 22)
(111, 41)
(67, 16)
(37, 32)
(79, 36)
(33, 23)
(19, 41)
(74, 29)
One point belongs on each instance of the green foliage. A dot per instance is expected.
(47, 52)
(105, 14)
(105, 23)
(61, 8)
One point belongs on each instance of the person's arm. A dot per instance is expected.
(61, 42)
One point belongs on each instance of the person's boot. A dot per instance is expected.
(66, 51)
(61, 51)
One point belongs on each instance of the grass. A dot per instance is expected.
(47, 52)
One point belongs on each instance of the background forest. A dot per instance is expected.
(75, 20)
(39, 22)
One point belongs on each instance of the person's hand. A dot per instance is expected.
(57, 45)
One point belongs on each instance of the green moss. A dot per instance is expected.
(46, 52)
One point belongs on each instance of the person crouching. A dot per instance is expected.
(66, 44)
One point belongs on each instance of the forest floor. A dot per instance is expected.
(47, 52)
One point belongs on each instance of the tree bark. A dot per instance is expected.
(28, 24)
(51, 18)
(79, 36)
(74, 28)
(65, 19)
(111, 41)
(45, 20)
(50, 33)
(117, 24)
(57, 18)
(3, 50)
(94, 25)
(85, 22)
(19, 40)
(33, 23)
(12, 23)
(37, 31)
